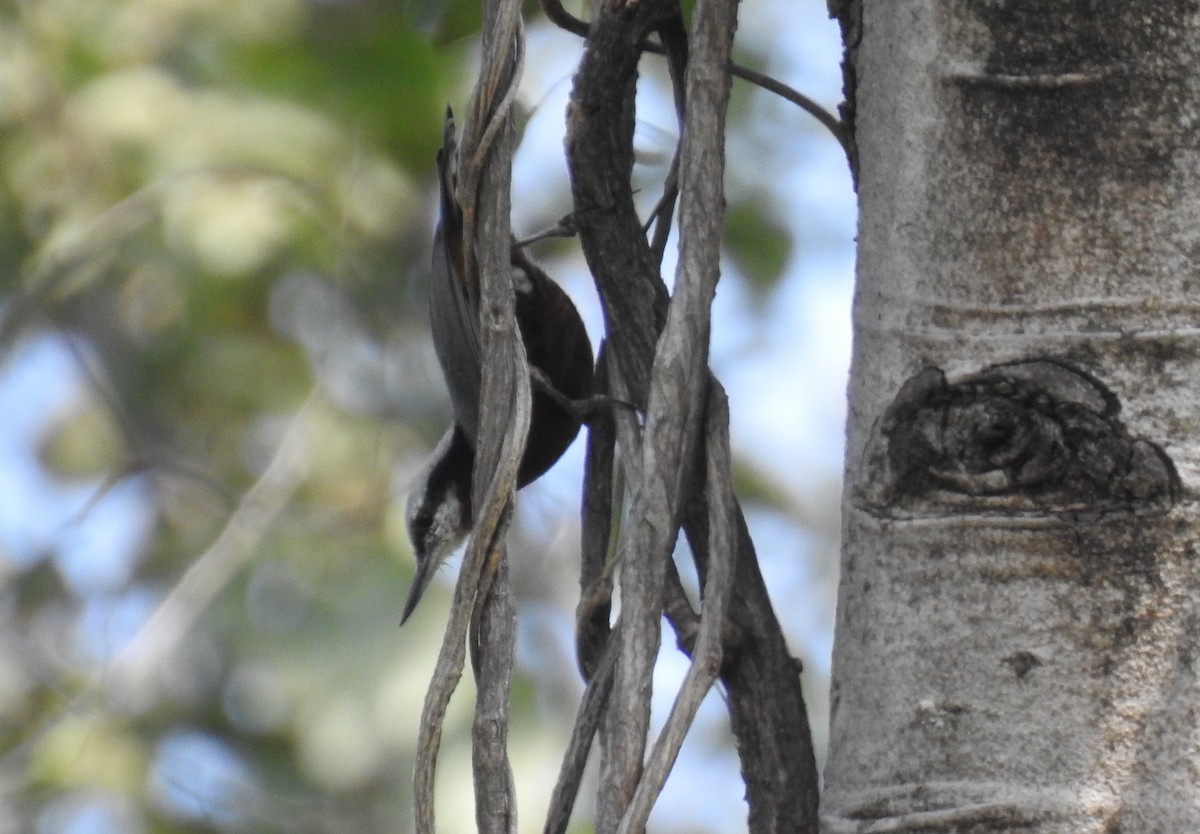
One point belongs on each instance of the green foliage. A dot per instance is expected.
(168, 166)
(758, 243)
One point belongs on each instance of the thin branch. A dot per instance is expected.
(560, 17)
(446, 674)
(679, 380)
(505, 400)
(467, 592)
(766, 705)
(481, 595)
(587, 721)
(131, 671)
(624, 739)
(130, 674)
(709, 651)
(592, 628)
(675, 403)
(495, 791)
(773, 85)
(679, 612)
(675, 46)
(563, 19)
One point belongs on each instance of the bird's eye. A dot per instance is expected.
(421, 523)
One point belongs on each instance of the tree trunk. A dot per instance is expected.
(1018, 619)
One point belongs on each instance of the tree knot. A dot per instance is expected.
(1035, 436)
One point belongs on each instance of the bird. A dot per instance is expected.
(439, 513)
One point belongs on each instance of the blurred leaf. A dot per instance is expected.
(758, 243)
(167, 167)
(373, 70)
(447, 21)
(38, 585)
(90, 750)
(451, 21)
(86, 443)
(753, 485)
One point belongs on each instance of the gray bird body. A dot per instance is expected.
(439, 511)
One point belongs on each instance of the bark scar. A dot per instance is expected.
(1036, 436)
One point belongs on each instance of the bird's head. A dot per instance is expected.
(438, 513)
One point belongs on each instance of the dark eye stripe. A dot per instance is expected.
(421, 522)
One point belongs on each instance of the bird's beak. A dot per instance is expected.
(426, 568)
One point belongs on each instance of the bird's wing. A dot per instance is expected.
(464, 294)
(453, 306)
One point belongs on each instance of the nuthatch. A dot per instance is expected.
(439, 511)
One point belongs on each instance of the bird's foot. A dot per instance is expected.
(583, 410)
(567, 226)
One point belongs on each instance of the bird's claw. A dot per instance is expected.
(584, 410)
(567, 226)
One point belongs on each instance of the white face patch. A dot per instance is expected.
(438, 510)
(435, 512)
(436, 524)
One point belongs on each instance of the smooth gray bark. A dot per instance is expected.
(1016, 629)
